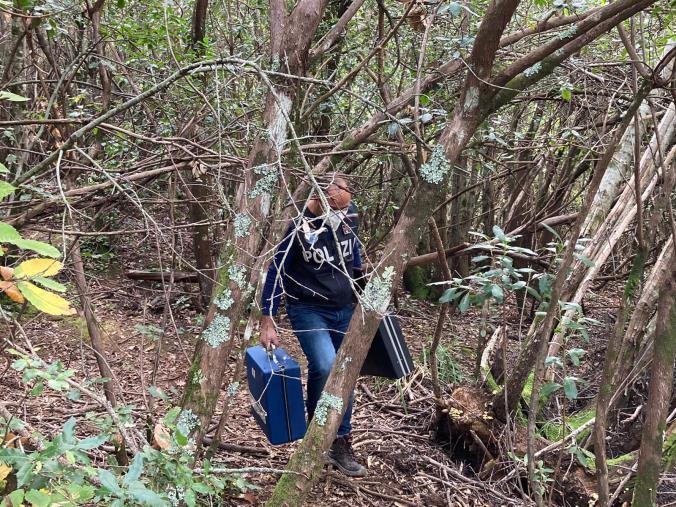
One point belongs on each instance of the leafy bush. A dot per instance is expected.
(61, 470)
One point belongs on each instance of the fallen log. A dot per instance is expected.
(464, 248)
(467, 249)
(422, 260)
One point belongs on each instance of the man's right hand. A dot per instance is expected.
(269, 334)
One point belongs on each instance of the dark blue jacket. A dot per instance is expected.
(307, 265)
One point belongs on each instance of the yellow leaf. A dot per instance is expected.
(37, 267)
(12, 292)
(44, 300)
(4, 471)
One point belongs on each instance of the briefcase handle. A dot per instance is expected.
(271, 355)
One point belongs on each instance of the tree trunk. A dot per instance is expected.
(640, 318)
(94, 332)
(606, 386)
(200, 193)
(659, 397)
(197, 183)
(290, 40)
(457, 231)
(619, 171)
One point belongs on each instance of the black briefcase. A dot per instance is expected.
(388, 356)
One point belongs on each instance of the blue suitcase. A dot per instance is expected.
(276, 394)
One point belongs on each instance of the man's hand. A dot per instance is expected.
(269, 335)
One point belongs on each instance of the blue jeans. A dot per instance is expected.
(320, 331)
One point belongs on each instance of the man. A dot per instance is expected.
(315, 266)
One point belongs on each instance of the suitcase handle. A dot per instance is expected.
(271, 353)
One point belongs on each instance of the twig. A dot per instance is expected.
(465, 479)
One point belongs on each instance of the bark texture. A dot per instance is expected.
(659, 397)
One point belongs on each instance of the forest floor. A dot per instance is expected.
(393, 432)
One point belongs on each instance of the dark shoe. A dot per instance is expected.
(342, 456)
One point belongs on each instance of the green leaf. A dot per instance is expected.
(496, 292)
(16, 497)
(520, 249)
(566, 94)
(109, 482)
(8, 233)
(534, 293)
(479, 258)
(585, 260)
(507, 262)
(145, 496)
(24, 474)
(464, 303)
(50, 284)
(454, 8)
(20, 364)
(35, 246)
(424, 100)
(448, 295)
(550, 388)
(81, 492)
(134, 471)
(202, 488)
(38, 389)
(12, 97)
(57, 385)
(518, 285)
(69, 431)
(38, 498)
(570, 388)
(189, 498)
(582, 455)
(91, 442)
(181, 439)
(499, 233)
(554, 360)
(575, 355)
(6, 189)
(570, 306)
(157, 393)
(171, 416)
(3, 168)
